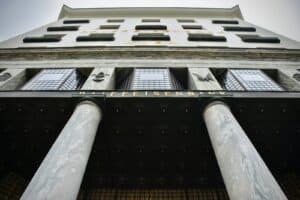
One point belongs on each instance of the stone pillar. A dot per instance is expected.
(61, 172)
(245, 174)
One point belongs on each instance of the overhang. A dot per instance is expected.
(68, 12)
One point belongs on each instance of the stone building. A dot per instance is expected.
(150, 103)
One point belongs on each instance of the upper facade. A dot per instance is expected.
(154, 27)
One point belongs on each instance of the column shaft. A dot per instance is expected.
(61, 172)
(244, 172)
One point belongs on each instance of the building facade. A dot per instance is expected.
(150, 103)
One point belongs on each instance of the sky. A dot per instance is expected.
(20, 16)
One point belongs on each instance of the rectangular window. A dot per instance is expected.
(151, 37)
(239, 29)
(55, 79)
(109, 27)
(151, 79)
(150, 27)
(115, 20)
(63, 28)
(185, 20)
(259, 39)
(225, 22)
(45, 38)
(76, 21)
(150, 20)
(247, 79)
(205, 38)
(96, 37)
(192, 27)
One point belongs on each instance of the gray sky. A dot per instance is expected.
(19, 16)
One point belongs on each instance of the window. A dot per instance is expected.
(205, 38)
(248, 79)
(151, 79)
(225, 22)
(76, 21)
(96, 37)
(115, 20)
(150, 27)
(185, 20)
(239, 28)
(150, 20)
(259, 39)
(196, 27)
(151, 37)
(55, 79)
(109, 27)
(45, 38)
(62, 28)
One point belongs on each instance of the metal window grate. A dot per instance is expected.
(250, 80)
(12, 186)
(55, 79)
(155, 194)
(230, 83)
(151, 79)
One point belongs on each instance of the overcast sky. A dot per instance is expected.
(19, 16)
